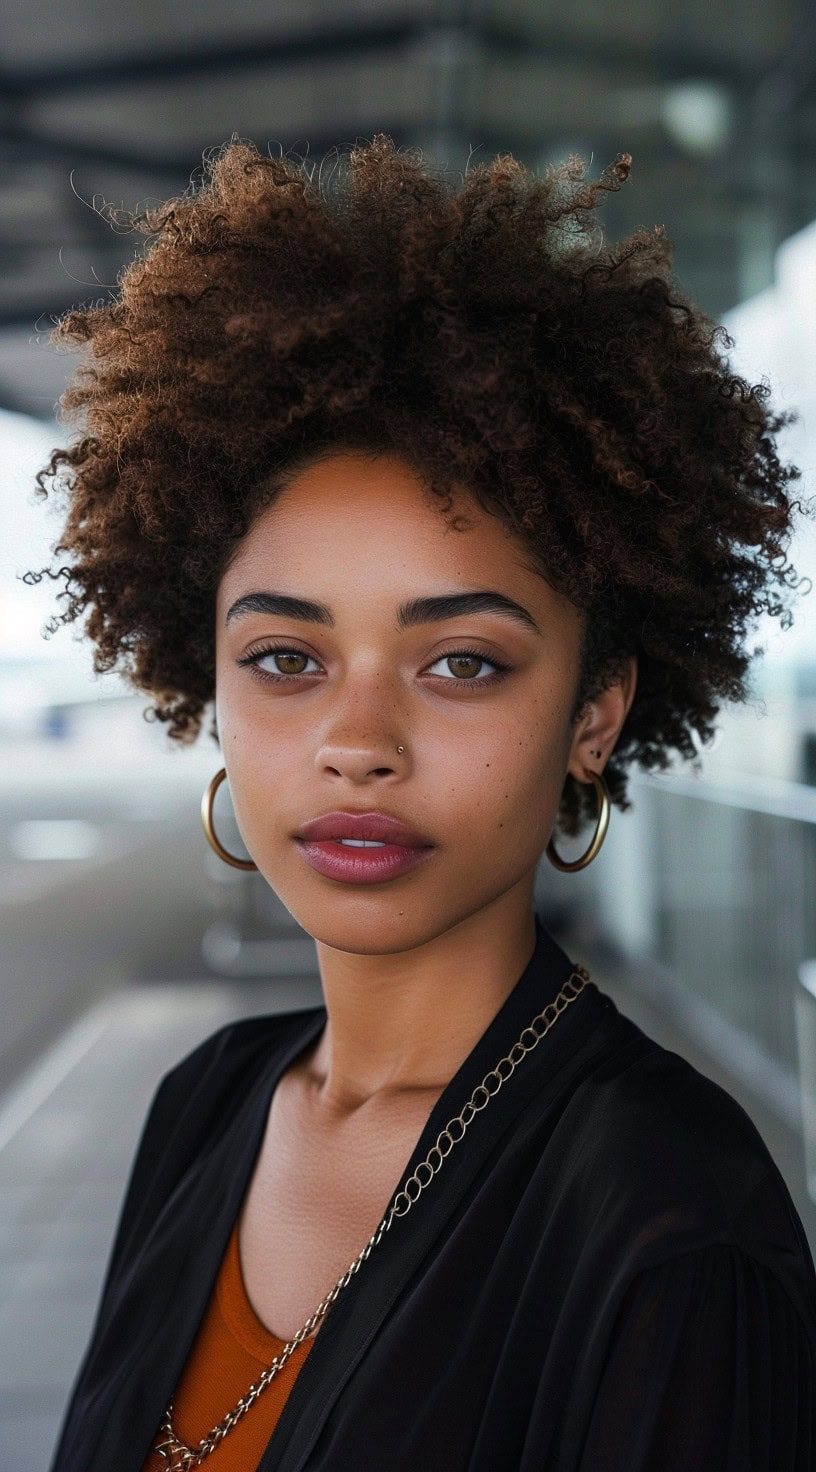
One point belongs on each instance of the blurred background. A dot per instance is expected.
(123, 940)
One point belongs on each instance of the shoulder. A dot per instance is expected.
(195, 1103)
(239, 1042)
(198, 1099)
(207, 1077)
(676, 1157)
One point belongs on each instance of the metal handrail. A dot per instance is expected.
(777, 796)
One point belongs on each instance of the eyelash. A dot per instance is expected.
(251, 660)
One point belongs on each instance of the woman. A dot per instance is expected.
(455, 512)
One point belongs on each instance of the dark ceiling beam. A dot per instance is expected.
(331, 43)
(20, 144)
(667, 58)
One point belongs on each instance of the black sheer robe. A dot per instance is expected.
(607, 1274)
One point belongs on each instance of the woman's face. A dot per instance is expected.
(479, 700)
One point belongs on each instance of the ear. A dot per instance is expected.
(598, 729)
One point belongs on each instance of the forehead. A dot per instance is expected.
(350, 525)
(351, 496)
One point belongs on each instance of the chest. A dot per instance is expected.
(318, 1192)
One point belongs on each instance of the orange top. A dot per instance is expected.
(229, 1353)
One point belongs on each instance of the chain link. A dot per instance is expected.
(176, 1455)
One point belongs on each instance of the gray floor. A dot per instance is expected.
(67, 1134)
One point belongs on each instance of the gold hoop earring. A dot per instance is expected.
(209, 832)
(604, 809)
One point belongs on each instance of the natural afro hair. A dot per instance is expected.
(483, 330)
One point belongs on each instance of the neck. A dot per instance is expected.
(403, 1023)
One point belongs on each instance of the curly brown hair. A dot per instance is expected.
(486, 332)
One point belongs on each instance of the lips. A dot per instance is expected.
(376, 827)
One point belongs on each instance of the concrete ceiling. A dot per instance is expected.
(117, 102)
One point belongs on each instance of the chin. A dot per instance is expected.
(368, 924)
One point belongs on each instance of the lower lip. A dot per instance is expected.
(361, 865)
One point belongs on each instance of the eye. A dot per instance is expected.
(462, 662)
(286, 658)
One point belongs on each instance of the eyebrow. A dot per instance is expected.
(409, 615)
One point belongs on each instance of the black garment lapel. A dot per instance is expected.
(361, 1307)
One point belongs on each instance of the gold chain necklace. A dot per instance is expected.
(176, 1455)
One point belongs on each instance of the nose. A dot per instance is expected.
(366, 728)
(359, 760)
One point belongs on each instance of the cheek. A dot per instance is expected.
(263, 765)
(507, 785)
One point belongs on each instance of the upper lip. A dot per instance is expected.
(381, 827)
